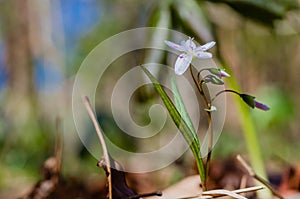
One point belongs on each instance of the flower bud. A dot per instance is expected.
(261, 106)
(250, 100)
(213, 79)
(218, 72)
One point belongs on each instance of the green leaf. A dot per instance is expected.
(187, 133)
(181, 107)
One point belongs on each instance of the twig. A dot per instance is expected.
(58, 143)
(102, 141)
(243, 182)
(208, 194)
(156, 193)
(238, 191)
(258, 178)
(222, 192)
(249, 189)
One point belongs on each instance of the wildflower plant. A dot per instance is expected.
(190, 50)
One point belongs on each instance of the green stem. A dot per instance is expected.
(207, 104)
(209, 145)
(199, 87)
(224, 91)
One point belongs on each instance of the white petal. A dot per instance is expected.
(182, 63)
(206, 46)
(190, 45)
(175, 46)
(224, 74)
(203, 55)
(182, 43)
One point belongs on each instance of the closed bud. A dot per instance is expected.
(218, 72)
(213, 79)
(248, 99)
(261, 106)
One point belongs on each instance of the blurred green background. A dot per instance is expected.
(42, 44)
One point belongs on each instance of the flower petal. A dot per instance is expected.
(223, 73)
(203, 55)
(206, 46)
(175, 46)
(190, 45)
(261, 106)
(182, 43)
(182, 63)
(218, 72)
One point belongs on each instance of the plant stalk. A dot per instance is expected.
(198, 84)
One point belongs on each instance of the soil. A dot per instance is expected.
(223, 175)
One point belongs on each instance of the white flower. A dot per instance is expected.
(189, 50)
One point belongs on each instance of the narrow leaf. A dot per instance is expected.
(181, 106)
(189, 136)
